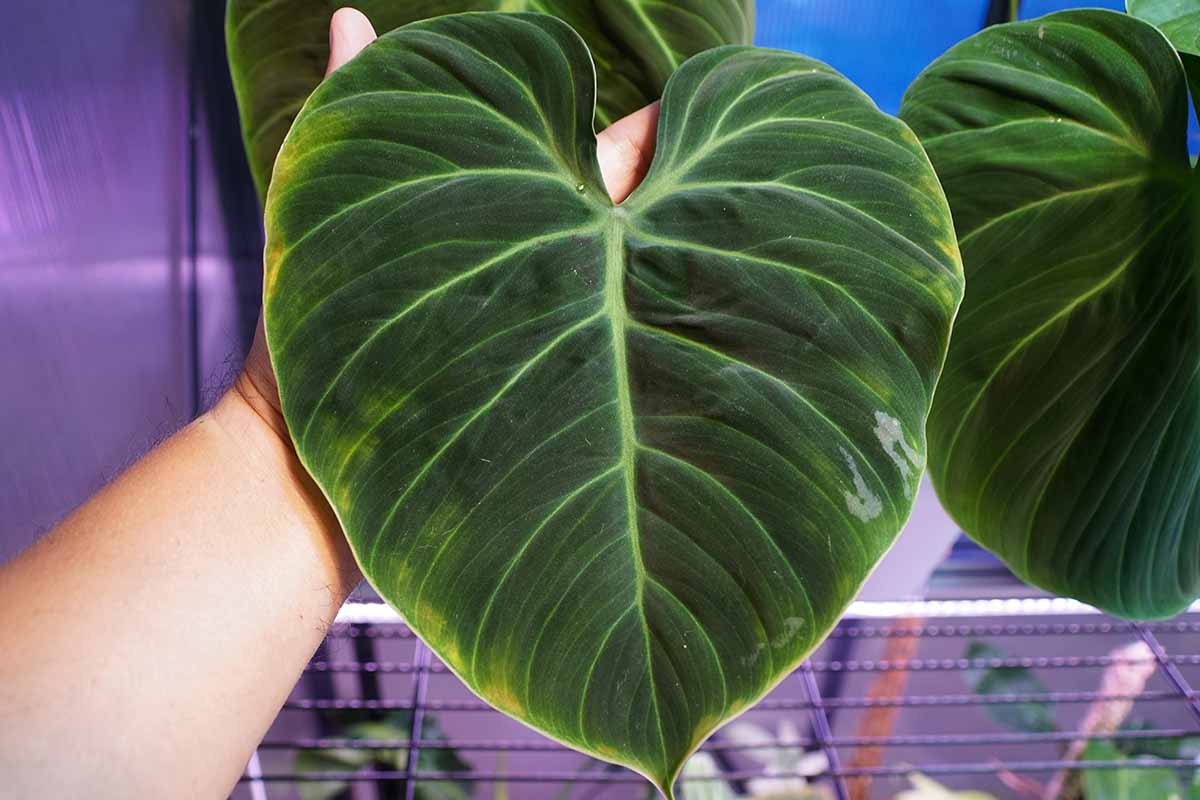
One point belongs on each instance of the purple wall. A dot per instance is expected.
(107, 212)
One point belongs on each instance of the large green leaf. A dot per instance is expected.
(621, 467)
(278, 49)
(1179, 20)
(1065, 435)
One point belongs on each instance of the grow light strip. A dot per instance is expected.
(379, 613)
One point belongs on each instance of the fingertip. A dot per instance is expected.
(625, 150)
(349, 32)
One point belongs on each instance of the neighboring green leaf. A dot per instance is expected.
(278, 50)
(440, 759)
(1034, 717)
(1138, 782)
(1156, 747)
(1179, 20)
(394, 726)
(339, 760)
(621, 467)
(1065, 436)
(442, 790)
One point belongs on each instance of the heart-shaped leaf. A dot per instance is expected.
(621, 467)
(278, 49)
(1066, 432)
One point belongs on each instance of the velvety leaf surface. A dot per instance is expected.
(1179, 20)
(621, 467)
(1064, 436)
(278, 49)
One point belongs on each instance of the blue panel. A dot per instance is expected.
(1036, 8)
(881, 45)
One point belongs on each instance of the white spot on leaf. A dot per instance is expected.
(891, 437)
(791, 626)
(752, 659)
(860, 502)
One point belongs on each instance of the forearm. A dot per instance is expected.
(148, 642)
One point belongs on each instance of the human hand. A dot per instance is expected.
(624, 151)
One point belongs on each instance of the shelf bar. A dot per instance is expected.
(824, 733)
(626, 776)
(253, 775)
(902, 740)
(376, 613)
(915, 701)
(420, 685)
(1168, 668)
(394, 628)
(908, 665)
(979, 630)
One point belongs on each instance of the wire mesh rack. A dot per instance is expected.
(1018, 698)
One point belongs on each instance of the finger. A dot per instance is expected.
(625, 149)
(349, 32)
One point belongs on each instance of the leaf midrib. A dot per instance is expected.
(617, 314)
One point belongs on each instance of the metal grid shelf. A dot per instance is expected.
(880, 699)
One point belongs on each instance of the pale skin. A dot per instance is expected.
(147, 642)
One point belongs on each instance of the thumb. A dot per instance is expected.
(625, 150)
(349, 32)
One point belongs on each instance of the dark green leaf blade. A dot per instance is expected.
(278, 49)
(621, 467)
(1179, 20)
(1065, 432)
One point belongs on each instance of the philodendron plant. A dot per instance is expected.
(278, 49)
(621, 466)
(1066, 431)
